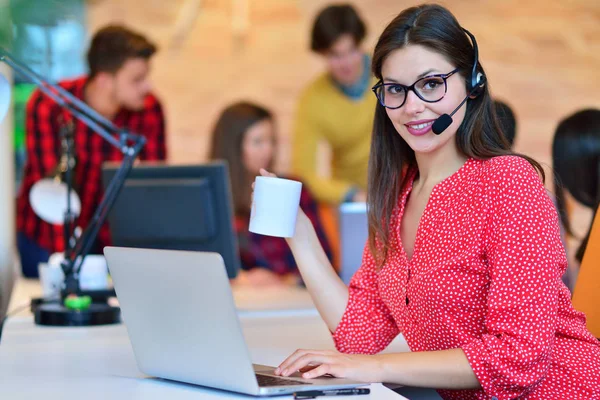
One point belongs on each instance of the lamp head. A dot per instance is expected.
(48, 198)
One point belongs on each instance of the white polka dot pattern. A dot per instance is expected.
(485, 276)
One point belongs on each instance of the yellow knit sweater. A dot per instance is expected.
(326, 114)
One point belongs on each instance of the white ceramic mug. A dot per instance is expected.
(52, 279)
(275, 206)
(94, 273)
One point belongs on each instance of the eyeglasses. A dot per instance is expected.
(430, 89)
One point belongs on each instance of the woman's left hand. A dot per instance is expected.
(315, 363)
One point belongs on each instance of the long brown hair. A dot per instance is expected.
(479, 135)
(227, 138)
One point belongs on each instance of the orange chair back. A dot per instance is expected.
(586, 294)
(329, 218)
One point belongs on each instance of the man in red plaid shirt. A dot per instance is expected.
(118, 88)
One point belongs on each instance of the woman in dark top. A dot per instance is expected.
(244, 136)
(576, 163)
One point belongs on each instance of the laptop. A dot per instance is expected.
(354, 232)
(183, 326)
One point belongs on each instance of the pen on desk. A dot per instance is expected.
(311, 394)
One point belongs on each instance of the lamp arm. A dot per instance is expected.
(77, 107)
(72, 265)
(130, 145)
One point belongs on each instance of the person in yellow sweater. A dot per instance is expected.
(336, 108)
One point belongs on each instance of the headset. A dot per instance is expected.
(476, 87)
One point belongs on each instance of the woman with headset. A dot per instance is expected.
(464, 256)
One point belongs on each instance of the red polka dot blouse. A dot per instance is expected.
(485, 277)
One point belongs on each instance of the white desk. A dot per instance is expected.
(98, 363)
(265, 299)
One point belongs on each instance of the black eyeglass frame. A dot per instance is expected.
(412, 87)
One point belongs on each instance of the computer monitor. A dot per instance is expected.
(354, 232)
(175, 207)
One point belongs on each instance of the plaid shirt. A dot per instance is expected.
(273, 253)
(91, 150)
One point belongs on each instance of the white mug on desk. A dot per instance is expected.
(51, 279)
(275, 206)
(93, 274)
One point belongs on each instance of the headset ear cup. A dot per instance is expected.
(479, 84)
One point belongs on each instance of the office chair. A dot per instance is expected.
(586, 294)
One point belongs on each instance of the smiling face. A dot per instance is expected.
(414, 119)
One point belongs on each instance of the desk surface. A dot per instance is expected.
(248, 299)
(98, 363)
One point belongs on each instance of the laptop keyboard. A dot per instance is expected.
(266, 380)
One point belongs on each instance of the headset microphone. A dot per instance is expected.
(445, 120)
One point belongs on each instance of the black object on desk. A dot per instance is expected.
(312, 394)
(176, 207)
